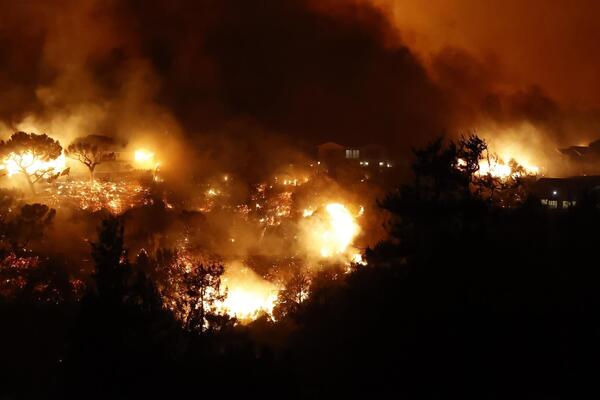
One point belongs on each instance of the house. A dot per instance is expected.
(372, 155)
(589, 153)
(560, 193)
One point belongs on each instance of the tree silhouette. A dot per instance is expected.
(296, 290)
(28, 225)
(202, 292)
(122, 331)
(110, 259)
(29, 153)
(91, 151)
(505, 190)
(470, 151)
(436, 170)
(48, 282)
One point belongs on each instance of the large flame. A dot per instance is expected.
(248, 294)
(523, 143)
(15, 163)
(144, 159)
(331, 233)
(498, 168)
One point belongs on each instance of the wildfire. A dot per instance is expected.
(248, 294)
(271, 207)
(332, 232)
(113, 196)
(498, 168)
(15, 163)
(12, 269)
(308, 212)
(145, 159)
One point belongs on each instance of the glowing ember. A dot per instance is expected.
(357, 258)
(144, 159)
(308, 212)
(248, 294)
(12, 269)
(115, 197)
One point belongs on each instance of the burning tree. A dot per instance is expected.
(295, 292)
(501, 183)
(191, 289)
(37, 157)
(91, 151)
(470, 151)
(201, 295)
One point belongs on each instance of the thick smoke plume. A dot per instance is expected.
(522, 68)
(300, 72)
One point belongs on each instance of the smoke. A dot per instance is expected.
(524, 122)
(549, 44)
(264, 78)
(231, 93)
(292, 69)
(526, 69)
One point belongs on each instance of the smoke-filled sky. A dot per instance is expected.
(352, 71)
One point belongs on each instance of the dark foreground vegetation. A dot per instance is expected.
(479, 292)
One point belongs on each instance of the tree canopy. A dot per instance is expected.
(30, 154)
(91, 151)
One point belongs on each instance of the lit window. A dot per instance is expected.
(567, 204)
(352, 153)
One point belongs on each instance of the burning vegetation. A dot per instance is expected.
(263, 237)
(221, 256)
(241, 199)
(296, 222)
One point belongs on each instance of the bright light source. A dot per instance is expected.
(554, 192)
(248, 294)
(29, 163)
(144, 159)
(330, 233)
